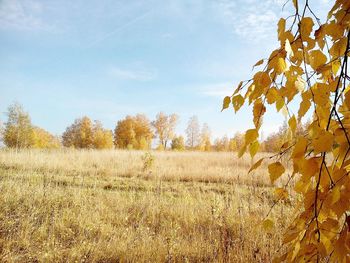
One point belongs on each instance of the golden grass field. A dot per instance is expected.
(103, 206)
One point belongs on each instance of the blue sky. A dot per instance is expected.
(106, 59)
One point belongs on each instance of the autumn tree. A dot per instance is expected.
(79, 134)
(222, 144)
(18, 130)
(236, 142)
(102, 138)
(205, 143)
(84, 134)
(310, 64)
(193, 133)
(164, 126)
(133, 133)
(178, 143)
(124, 134)
(42, 139)
(143, 132)
(274, 141)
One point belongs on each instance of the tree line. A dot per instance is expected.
(133, 132)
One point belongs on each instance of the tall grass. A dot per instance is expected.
(103, 206)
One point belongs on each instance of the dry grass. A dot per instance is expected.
(101, 206)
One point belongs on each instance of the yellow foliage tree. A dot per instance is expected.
(102, 138)
(164, 126)
(133, 133)
(311, 63)
(84, 134)
(18, 131)
(178, 143)
(222, 144)
(236, 142)
(205, 143)
(44, 140)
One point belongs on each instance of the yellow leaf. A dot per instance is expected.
(292, 122)
(262, 79)
(335, 195)
(302, 185)
(299, 148)
(347, 100)
(317, 59)
(285, 111)
(238, 88)
(258, 111)
(320, 37)
(310, 167)
(340, 249)
(296, 250)
(320, 94)
(335, 66)
(288, 48)
(281, 66)
(237, 102)
(226, 102)
(281, 28)
(242, 151)
(300, 84)
(272, 95)
(275, 170)
(251, 135)
(279, 103)
(258, 63)
(256, 165)
(268, 225)
(304, 104)
(334, 30)
(323, 142)
(253, 148)
(281, 193)
(295, 3)
(338, 49)
(306, 25)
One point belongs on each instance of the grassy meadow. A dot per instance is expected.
(117, 206)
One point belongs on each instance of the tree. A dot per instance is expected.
(178, 143)
(311, 63)
(222, 145)
(133, 133)
(102, 138)
(18, 130)
(143, 132)
(42, 139)
(79, 134)
(84, 134)
(274, 141)
(164, 126)
(205, 144)
(192, 132)
(236, 142)
(124, 134)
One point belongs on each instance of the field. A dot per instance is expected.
(117, 206)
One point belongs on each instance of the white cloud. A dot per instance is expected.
(252, 20)
(133, 74)
(21, 15)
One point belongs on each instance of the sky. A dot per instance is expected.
(106, 59)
